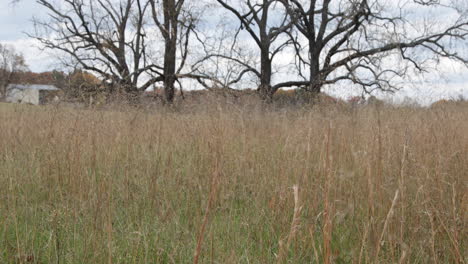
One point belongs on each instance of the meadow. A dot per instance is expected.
(321, 184)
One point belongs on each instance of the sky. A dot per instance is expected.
(15, 22)
(448, 82)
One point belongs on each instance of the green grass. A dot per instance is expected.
(89, 186)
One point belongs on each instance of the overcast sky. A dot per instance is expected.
(16, 20)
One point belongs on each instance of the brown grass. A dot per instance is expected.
(374, 184)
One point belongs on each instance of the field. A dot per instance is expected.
(326, 184)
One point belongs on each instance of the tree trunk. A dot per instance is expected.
(3, 92)
(127, 86)
(314, 87)
(169, 70)
(265, 89)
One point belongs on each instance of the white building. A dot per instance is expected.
(31, 94)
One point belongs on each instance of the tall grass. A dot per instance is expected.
(321, 185)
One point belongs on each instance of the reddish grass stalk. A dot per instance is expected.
(214, 187)
(456, 244)
(109, 222)
(433, 235)
(311, 230)
(328, 225)
(402, 185)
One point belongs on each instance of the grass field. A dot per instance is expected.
(322, 185)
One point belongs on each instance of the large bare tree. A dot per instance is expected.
(255, 18)
(371, 43)
(116, 40)
(175, 24)
(106, 37)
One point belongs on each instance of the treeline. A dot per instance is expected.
(270, 44)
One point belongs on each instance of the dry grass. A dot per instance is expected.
(374, 185)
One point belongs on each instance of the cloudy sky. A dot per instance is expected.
(15, 20)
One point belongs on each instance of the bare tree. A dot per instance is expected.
(106, 37)
(175, 24)
(255, 18)
(11, 63)
(111, 39)
(355, 40)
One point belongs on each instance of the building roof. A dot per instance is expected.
(40, 87)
